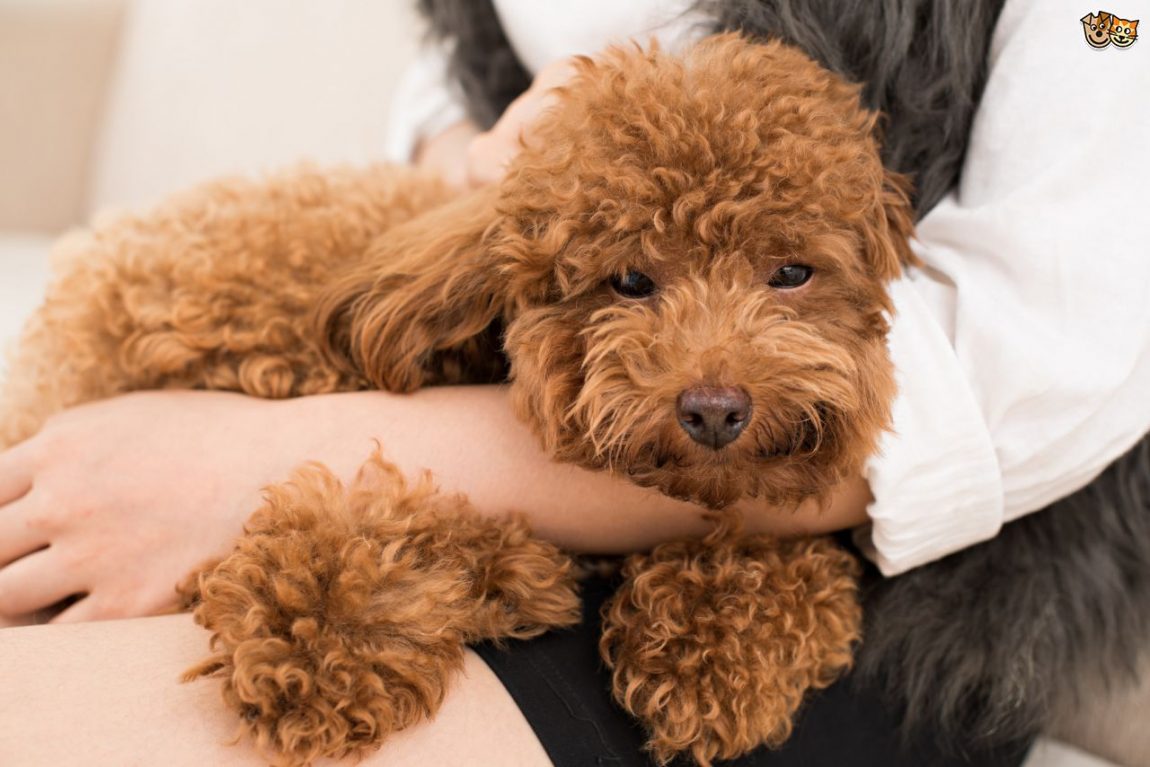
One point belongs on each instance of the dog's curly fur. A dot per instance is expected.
(922, 64)
(410, 574)
(763, 653)
(211, 290)
(708, 173)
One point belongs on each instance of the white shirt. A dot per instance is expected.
(1022, 347)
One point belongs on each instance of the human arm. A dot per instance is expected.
(472, 442)
(131, 494)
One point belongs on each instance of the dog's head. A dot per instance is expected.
(689, 261)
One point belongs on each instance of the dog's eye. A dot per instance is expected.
(790, 276)
(633, 285)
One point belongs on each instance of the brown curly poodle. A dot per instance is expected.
(683, 278)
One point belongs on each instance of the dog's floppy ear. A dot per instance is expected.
(423, 306)
(887, 233)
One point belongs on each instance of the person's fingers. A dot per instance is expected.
(18, 537)
(81, 611)
(446, 153)
(489, 153)
(488, 157)
(35, 582)
(556, 73)
(15, 473)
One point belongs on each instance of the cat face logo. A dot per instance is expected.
(1103, 28)
(1123, 33)
(1097, 29)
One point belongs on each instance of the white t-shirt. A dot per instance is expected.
(1022, 347)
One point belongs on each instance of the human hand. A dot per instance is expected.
(466, 157)
(446, 152)
(118, 500)
(489, 153)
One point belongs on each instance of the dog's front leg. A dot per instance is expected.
(714, 643)
(342, 614)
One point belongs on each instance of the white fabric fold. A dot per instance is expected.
(424, 104)
(1035, 295)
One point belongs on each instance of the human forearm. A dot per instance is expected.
(182, 470)
(471, 441)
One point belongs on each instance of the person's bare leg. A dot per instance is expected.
(99, 694)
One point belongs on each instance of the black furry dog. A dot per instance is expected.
(1024, 633)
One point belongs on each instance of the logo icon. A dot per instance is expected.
(1103, 28)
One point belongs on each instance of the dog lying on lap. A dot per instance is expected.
(682, 276)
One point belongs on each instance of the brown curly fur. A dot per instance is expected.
(706, 173)
(211, 290)
(753, 623)
(408, 574)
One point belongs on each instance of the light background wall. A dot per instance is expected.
(56, 60)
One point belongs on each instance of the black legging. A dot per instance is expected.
(563, 690)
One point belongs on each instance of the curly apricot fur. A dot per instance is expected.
(714, 643)
(706, 172)
(342, 614)
(210, 290)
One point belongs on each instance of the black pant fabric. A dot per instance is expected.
(561, 686)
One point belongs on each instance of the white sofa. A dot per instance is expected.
(112, 103)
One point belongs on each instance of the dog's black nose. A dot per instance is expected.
(714, 416)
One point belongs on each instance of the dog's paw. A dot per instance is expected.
(523, 586)
(326, 653)
(335, 621)
(342, 614)
(712, 647)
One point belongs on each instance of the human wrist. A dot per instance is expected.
(843, 508)
(333, 429)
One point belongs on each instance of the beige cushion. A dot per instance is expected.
(1113, 722)
(1051, 753)
(206, 87)
(24, 269)
(55, 60)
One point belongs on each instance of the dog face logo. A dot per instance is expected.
(1097, 29)
(1103, 28)
(1123, 33)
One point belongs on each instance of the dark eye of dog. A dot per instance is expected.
(633, 285)
(790, 276)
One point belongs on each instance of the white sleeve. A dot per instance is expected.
(425, 103)
(1023, 346)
